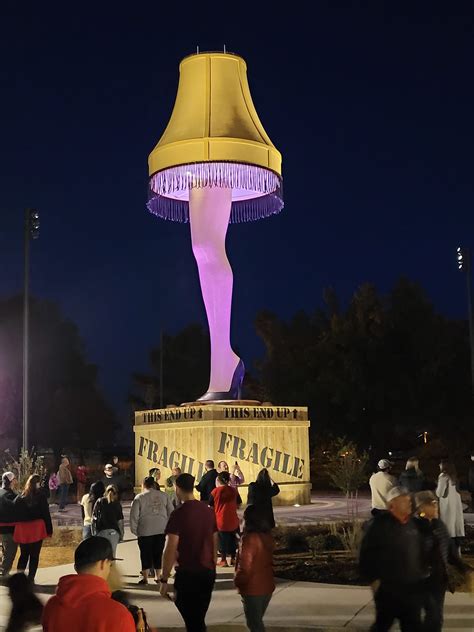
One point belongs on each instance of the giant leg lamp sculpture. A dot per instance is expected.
(213, 165)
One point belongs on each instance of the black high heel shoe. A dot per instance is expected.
(235, 391)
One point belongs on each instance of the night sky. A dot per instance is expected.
(372, 109)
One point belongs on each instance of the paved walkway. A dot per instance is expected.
(323, 508)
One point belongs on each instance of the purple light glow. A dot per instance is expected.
(256, 192)
(209, 211)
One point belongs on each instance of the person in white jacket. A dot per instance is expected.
(380, 484)
(148, 519)
(450, 505)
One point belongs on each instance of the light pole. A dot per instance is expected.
(161, 368)
(464, 264)
(31, 231)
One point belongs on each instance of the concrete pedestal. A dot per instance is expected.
(256, 436)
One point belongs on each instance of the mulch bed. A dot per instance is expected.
(316, 554)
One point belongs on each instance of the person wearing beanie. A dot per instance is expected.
(391, 560)
(380, 484)
(84, 601)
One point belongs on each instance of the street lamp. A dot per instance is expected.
(31, 232)
(464, 264)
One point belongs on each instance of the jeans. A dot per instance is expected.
(9, 551)
(151, 550)
(86, 531)
(63, 494)
(433, 605)
(30, 553)
(398, 602)
(112, 536)
(193, 591)
(227, 543)
(81, 490)
(255, 607)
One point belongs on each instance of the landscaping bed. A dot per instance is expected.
(328, 553)
(59, 549)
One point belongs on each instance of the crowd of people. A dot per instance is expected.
(176, 535)
(408, 547)
(410, 544)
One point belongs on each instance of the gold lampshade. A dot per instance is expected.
(215, 138)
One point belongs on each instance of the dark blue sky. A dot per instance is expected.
(372, 109)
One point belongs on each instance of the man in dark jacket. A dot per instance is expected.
(208, 481)
(391, 560)
(8, 513)
(112, 478)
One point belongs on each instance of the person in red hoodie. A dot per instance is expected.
(224, 500)
(254, 567)
(83, 602)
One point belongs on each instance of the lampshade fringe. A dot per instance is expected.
(263, 182)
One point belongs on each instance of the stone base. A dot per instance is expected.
(254, 435)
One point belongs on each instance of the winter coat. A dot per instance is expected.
(254, 565)
(106, 516)
(450, 506)
(439, 551)
(64, 475)
(391, 551)
(9, 512)
(207, 484)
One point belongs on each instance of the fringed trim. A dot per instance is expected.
(231, 175)
(216, 174)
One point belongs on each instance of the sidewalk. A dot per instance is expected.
(323, 508)
(295, 605)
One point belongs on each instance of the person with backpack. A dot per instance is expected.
(107, 518)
